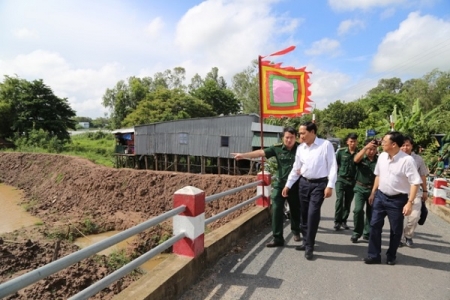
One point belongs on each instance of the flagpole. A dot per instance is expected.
(261, 119)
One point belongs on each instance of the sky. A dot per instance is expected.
(80, 48)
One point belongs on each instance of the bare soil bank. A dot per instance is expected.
(74, 196)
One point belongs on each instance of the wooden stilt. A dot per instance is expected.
(218, 165)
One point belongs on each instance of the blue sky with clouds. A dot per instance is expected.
(81, 48)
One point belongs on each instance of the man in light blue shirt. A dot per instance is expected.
(315, 164)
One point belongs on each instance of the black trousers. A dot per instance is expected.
(311, 199)
(392, 207)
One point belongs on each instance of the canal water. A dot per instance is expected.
(12, 215)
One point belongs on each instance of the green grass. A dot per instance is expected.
(98, 148)
(59, 178)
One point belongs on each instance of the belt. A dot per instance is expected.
(396, 196)
(364, 185)
(347, 178)
(316, 180)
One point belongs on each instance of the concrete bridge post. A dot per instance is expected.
(265, 186)
(439, 194)
(191, 221)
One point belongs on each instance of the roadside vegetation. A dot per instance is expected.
(35, 120)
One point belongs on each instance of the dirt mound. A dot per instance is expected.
(73, 195)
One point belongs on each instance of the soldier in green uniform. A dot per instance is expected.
(365, 161)
(345, 181)
(285, 156)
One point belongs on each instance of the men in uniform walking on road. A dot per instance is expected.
(285, 156)
(422, 194)
(365, 161)
(393, 193)
(345, 181)
(315, 164)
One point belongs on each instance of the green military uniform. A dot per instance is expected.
(363, 188)
(440, 168)
(285, 160)
(344, 184)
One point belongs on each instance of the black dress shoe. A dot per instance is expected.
(300, 248)
(345, 226)
(309, 255)
(354, 239)
(391, 262)
(274, 244)
(337, 226)
(366, 238)
(372, 261)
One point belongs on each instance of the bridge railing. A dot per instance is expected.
(188, 237)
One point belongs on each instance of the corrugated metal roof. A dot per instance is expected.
(268, 141)
(266, 127)
(123, 130)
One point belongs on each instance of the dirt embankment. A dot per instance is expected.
(72, 195)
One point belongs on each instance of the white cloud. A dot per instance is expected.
(25, 33)
(231, 33)
(420, 44)
(155, 27)
(348, 26)
(324, 46)
(84, 88)
(327, 87)
(348, 5)
(387, 13)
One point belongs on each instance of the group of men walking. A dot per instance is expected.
(383, 185)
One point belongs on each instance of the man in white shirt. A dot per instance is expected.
(393, 193)
(315, 160)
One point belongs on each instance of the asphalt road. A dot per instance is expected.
(337, 271)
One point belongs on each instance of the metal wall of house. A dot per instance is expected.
(204, 136)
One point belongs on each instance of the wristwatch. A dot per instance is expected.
(412, 201)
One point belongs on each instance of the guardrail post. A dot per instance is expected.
(266, 185)
(439, 194)
(191, 221)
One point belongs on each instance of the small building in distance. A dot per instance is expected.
(84, 125)
(202, 145)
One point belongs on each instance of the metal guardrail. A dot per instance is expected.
(119, 273)
(232, 191)
(230, 210)
(29, 278)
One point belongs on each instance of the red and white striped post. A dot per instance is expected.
(191, 221)
(439, 194)
(266, 186)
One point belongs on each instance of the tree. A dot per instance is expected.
(125, 97)
(220, 99)
(32, 105)
(339, 115)
(390, 86)
(246, 88)
(167, 105)
(196, 82)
